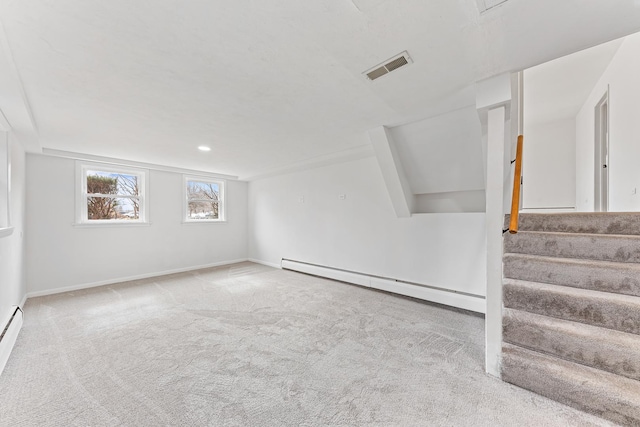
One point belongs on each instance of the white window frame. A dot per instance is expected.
(82, 197)
(6, 229)
(222, 213)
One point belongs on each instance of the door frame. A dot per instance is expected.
(601, 153)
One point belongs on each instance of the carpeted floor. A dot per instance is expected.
(247, 345)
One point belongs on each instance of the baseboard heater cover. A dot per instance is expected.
(441, 296)
(9, 335)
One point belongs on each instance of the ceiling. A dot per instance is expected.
(270, 83)
(564, 83)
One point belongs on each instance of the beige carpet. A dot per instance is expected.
(248, 345)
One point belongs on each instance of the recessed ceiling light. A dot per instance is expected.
(204, 148)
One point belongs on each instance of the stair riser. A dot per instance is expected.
(627, 223)
(601, 393)
(616, 278)
(618, 314)
(604, 247)
(612, 351)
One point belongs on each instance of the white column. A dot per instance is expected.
(495, 219)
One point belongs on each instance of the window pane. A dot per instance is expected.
(112, 208)
(203, 210)
(99, 182)
(197, 190)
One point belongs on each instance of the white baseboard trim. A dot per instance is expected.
(268, 264)
(23, 302)
(8, 339)
(414, 290)
(548, 210)
(130, 278)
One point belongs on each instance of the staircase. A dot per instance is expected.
(571, 320)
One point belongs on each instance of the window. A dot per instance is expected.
(110, 194)
(204, 200)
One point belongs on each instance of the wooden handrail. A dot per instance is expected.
(517, 180)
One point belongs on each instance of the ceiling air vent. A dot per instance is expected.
(388, 66)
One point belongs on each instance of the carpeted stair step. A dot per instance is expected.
(606, 310)
(607, 395)
(605, 276)
(603, 247)
(589, 223)
(605, 349)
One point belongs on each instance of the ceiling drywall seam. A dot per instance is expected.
(142, 165)
(485, 6)
(366, 5)
(355, 153)
(4, 123)
(16, 75)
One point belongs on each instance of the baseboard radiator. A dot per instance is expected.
(415, 290)
(8, 336)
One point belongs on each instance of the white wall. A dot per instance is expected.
(442, 154)
(549, 167)
(12, 259)
(300, 216)
(61, 255)
(624, 132)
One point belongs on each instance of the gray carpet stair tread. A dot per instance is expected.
(603, 247)
(605, 276)
(571, 322)
(593, 223)
(606, 310)
(607, 395)
(600, 348)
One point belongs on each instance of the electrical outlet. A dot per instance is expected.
(300, 199)
(342, 196)
(634, 191)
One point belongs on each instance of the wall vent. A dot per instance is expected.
(388, 66)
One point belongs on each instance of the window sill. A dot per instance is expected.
(110, 224)
(7, 231)
(204, 221)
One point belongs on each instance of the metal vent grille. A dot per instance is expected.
(396, 63)
(378, 72)
(388, 66)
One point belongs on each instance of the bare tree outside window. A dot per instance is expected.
(101, 207)
(203, 200)
(112, 196)
(129, 186)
